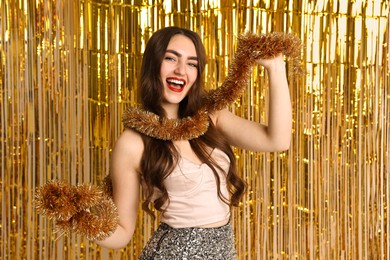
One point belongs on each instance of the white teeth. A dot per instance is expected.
(174, 81)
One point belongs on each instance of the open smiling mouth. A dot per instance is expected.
(176, 85)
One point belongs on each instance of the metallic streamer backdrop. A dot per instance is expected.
(69, 68)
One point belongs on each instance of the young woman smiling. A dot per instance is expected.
(191, 182)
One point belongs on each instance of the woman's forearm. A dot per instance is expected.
(280, 114)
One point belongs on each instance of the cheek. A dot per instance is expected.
(162, 70)
(165, 68)
(194, 76)
(192, 86)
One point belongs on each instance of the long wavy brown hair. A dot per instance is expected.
(160, 157)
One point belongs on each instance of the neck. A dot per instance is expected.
(171, 110)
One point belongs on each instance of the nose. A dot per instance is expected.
(180, 68)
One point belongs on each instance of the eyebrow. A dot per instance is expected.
(179, 55)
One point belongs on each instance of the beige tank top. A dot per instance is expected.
(192, 191)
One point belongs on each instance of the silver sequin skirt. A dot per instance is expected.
(170, 243)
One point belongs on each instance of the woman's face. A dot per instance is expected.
(179, 69)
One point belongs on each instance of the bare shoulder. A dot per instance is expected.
(214, 116)
(128, 149)
(217, 116)
(130, 140)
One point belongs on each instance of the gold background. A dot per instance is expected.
(69, 68)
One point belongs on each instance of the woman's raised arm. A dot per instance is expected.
(276, 135)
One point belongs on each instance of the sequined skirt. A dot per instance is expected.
(190, 243)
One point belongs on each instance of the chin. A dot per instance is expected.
(174, 99)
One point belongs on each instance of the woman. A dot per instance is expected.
(193, 183)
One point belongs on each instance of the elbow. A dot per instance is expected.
(277, 141)
(116, 246)
(118, 240)
(283, 145)
(109, 244)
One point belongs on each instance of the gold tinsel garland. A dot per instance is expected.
(89, 210)
(85, 209)
(164, 128)
(250, 48)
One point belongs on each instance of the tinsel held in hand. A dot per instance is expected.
(89, 210)
(250, 48)
(83, 209)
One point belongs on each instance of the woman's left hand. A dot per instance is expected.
(271, 62)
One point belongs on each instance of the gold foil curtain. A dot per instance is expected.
(69, 68)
